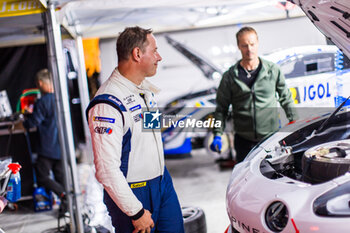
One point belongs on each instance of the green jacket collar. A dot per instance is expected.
(266, 66)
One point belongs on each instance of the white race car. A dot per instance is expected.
(298, 179)
(327, 71)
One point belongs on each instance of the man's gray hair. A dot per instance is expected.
(43, 75)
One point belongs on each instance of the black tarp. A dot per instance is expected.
(18, 66)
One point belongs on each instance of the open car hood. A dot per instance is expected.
(332, 18)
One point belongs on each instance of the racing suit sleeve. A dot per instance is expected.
(285, 97)
(223, 101)
(106, 128)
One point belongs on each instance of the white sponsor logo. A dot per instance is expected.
(115, 100)
(192, 123)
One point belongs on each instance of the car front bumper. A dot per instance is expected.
(249, 195)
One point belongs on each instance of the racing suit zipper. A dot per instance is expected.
(254, 113)
(154, 134)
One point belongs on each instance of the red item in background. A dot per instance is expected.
(28, 98)
(14, 167)
(13, 190)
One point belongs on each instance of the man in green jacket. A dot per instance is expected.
(253, 87)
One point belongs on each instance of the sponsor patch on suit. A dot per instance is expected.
(103, 130)
(136, 107)
(103, 119)
(138, 185)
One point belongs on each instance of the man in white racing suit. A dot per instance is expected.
(129, 160)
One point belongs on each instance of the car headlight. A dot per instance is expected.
(334, 203)
(276, 216)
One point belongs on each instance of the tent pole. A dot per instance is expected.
(64, 123)
(84, 94)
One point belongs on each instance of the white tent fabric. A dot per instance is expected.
(103, 19)
(94, 18)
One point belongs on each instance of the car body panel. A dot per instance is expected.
(250, 197)
(331, 17)
(327, 71)
(179, 141)
(249, 192)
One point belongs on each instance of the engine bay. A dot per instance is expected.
(311, 155)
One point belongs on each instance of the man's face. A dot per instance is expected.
(45, 86)
(150, 57)
(248, 45)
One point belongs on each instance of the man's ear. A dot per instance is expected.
(39, 84)
(136, 54)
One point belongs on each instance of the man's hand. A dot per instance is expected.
(143, 224)
(29, 109)
(216, 144)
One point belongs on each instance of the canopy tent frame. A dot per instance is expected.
(64, 123)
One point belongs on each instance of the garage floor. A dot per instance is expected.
(198, 181)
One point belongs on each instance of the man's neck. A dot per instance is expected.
(250, 64)
(130, 74)
(46, 91)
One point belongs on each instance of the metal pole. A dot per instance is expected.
(64, 123)
(83, 93)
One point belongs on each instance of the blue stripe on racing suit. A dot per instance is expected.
(125, 152)
(106, 99)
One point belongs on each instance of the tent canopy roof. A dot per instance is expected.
(104, 19)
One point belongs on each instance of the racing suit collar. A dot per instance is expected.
(149, 86)
(145, 85)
